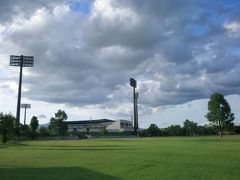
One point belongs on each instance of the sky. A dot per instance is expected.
(85, 51)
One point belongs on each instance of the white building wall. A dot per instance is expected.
(114, 127)
(120, 126)
(117, 126)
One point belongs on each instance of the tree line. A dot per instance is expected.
(189, 128)
(56, 127)
(8, 127)
(219, 116)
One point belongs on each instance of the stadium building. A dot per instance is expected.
(99, 125)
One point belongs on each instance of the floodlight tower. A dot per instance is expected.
(21, 61)
(133, 83)
(136, 104)
(25, 106)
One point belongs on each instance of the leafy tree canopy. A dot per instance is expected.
(190, 127)
(153, 130)
(57, 124)
(6, 126)
(34, 123)
(219, 112)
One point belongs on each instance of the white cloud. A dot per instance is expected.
(2, 29)
(111, 12)
(12, 86)
(83, 62)
(233, 28)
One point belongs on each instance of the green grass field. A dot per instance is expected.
(136, 158)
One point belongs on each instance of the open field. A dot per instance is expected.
(143, 158)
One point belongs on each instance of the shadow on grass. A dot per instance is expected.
(18, 144)
(58, 173)
(12, 144)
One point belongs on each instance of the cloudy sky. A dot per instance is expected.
(179, 51)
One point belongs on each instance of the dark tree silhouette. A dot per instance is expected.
(6, 126)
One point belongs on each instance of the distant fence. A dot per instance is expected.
(76, 136)
(58, 138)
(83, 137)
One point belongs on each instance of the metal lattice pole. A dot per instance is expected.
(133, 83)
(21, 61)
(19, 97)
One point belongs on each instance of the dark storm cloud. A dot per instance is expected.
(177, 50)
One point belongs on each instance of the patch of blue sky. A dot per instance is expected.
(235, 51)
(198, 30)
(234, 3)
(83, 6)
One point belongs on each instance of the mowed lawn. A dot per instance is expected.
(134, 158)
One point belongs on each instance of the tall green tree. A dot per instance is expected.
(33, 127)
(34, 124)
(219, 113)
(44, 131)
(153, 130)
(6, 126)
(190, 127)
(24, 129)
(57, 124)
(174, 130)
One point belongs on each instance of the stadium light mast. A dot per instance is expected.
(21, 61)
(25, 106)
(133, 83)
(136, 104)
